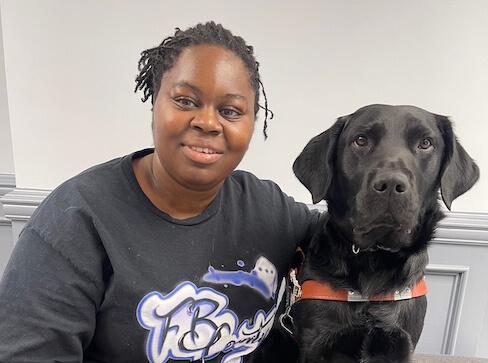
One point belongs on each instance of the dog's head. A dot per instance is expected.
(381, 168)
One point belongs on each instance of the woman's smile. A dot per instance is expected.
(202, 155)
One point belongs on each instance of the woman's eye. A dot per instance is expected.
(361, 141)
(186, 102)
(425, 144)
(229, 112)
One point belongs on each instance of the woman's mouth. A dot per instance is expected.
(201, 155)
(203, 150)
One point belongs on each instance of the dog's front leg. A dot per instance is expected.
(387, 347)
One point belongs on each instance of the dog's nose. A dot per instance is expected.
(390, 183)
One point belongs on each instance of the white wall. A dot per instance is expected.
(6, 153)
(70, 68)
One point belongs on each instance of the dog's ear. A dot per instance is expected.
(315, 164)
(459, 172)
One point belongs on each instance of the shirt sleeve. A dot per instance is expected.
(48, 307)
(304, 221)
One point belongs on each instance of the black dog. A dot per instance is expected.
(380, 170)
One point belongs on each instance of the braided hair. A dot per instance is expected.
(154, 62)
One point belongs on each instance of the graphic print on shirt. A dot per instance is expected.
(192, 323)
(263, 277)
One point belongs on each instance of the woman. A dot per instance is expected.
(166, 254)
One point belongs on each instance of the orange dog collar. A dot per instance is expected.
(312, 289)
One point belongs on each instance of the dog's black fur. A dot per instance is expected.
(380, 170)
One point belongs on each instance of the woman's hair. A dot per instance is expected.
(156, 61)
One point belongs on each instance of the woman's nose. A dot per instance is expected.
(207, 120)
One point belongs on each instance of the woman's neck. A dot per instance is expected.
(167, 194)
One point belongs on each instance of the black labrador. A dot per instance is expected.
(380, 170)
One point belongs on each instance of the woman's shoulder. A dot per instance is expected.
(106, 177)
(252, 188)
(97, 184)
(264, 198)
(246, 178)
(89, 182)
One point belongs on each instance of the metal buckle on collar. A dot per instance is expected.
(296, 291)
(293, 291)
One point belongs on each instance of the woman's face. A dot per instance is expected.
(203, 117)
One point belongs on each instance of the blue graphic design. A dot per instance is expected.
(263, 277)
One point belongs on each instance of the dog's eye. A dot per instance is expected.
(361, 141)
(425, 144)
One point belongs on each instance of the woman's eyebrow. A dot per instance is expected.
(187, 84)
(236, 95)
(199, 91)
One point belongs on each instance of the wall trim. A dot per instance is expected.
(7, 184)
(463, 228)
(20, 203)
(460, 279)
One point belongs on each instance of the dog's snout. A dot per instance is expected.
(390, 183)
